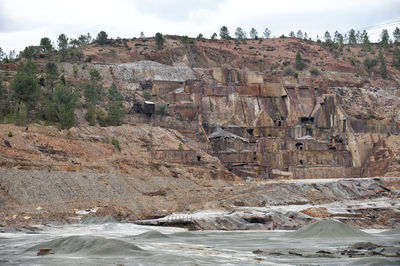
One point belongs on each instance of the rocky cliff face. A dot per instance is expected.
(335, 124)
(303, 126)
(231, 114)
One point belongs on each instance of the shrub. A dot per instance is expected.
(288, 71)
(75, 70)
(90, 115)
(101, 118)
(161, 109)
(115, 143)
(353, 60)
(146, 95)
(10, 134)
(370, 62)
(180, 147)
(314, 71)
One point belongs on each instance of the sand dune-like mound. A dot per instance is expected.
(90, 245)
(328, 229)
(151, 235)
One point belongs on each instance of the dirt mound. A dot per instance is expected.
(320, 212)
(90, 245)
(328, 229)
(151, 235)
(99, 220)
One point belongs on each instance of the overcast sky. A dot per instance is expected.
(24, 22)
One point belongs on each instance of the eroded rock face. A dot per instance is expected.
(335, 124)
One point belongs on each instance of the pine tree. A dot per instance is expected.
(328, 38)
(115, 113)
(396, 57)
(64, 102)
(352, 37)
(94, 90)
(62, 45)
(102, 38)
(159, 41)
(3, 99)
(51, 75)
(299, 34)
(46, 45)
(25, 87)
(396, 35)
(299, 61)
(385, 39)
(253, 34)
(366, 44)
(267, 33)
(383, 69)
(224, 33)
(240, 33)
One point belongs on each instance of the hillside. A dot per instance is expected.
(217, 113)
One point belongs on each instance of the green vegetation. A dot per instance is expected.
(101, 118)
(366, 44)
(51, 75)
(146, 94)
(75, 70)
(370, 62)
(161, 109)
(46, 45)
(3, 100)
(91, 115)
(213, 36)
(353, 60)
(94, 90)
(59, 107)
(396, 35)
(382, 69)
(25, 89)
(115, 114)
(396, 57)
(385, 39)
(102, 38)
(267, 33)
(253, 34)
(184, 39)
(352, 37)
(288, 71)
(159, 40)
(240, 33)
(10, 134)
(299, 61)
(314, 71)
(115, 143)
(62, 46)
(224, 33)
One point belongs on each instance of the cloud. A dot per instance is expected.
(24, 22)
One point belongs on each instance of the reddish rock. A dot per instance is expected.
(320, 212)
(45, 251)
